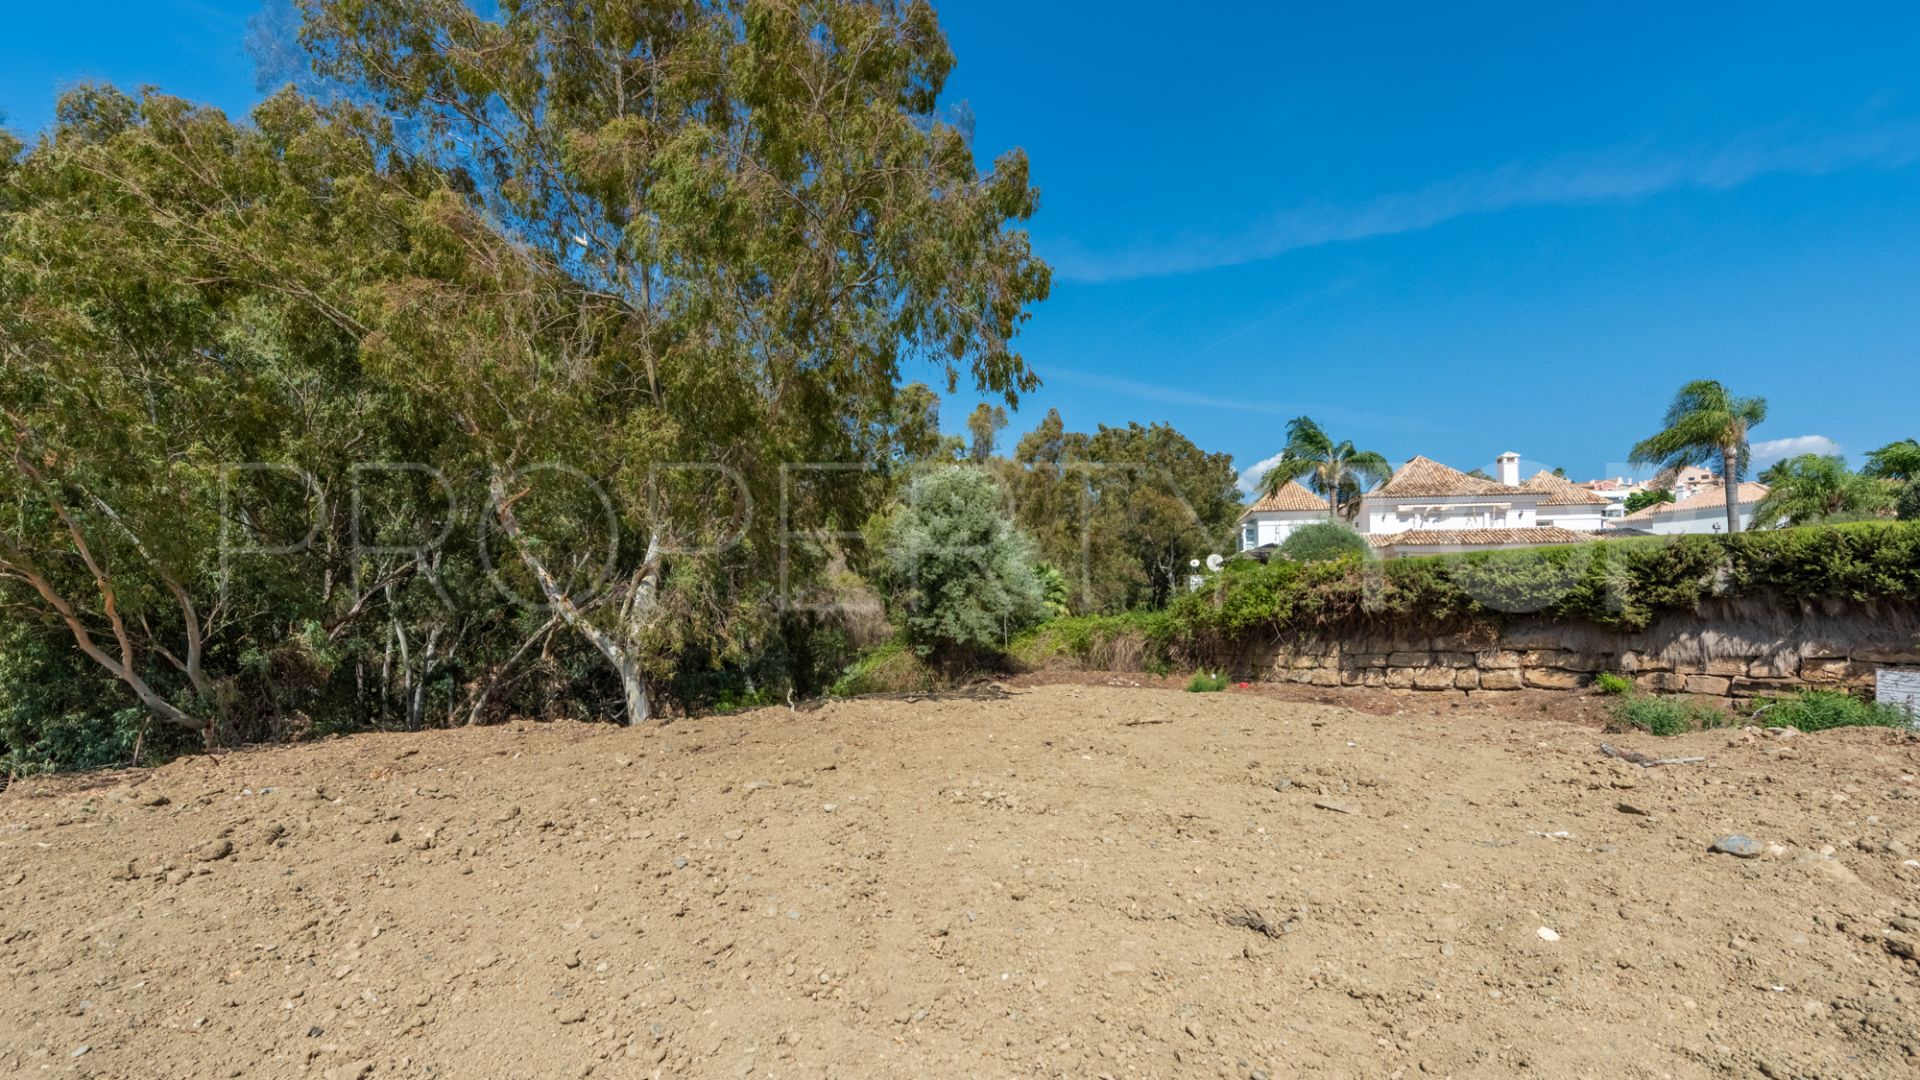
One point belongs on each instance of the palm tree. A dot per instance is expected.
(1706, 426)
(1335, 470)
(1818, 487)
(1895, 461)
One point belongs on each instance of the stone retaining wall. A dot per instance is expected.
(1737, 655)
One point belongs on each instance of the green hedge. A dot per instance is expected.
(1618, 584)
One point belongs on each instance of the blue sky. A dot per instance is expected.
(1441, 229)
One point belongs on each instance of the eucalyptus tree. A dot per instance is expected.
(1336, 470)
(171, 305)
(695, 243)
(1706, 426)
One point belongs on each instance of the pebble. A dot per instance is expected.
(734, 834)
(1744, 847)
(1548, 933)
(1336, 807)
(214, 851)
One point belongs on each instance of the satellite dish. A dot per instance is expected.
(1215, 562)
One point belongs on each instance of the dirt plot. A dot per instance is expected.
(1062, 880)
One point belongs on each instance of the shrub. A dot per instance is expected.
(1204, 683)
(1608, 682)
(1906, 505)
(1820, 710)
(960, 575)
(1323, 541)
(892, 668)
(1667, 715)
(1142, 640)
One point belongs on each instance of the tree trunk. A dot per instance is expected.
(626, 664)
(1730, 476)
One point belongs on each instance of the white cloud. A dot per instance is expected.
(1616, 175)
(1767, 451)
(1251, 476)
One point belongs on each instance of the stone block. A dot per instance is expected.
(1547, 678)
(1496, 659)
(1834, 671)
(1325, 676)
(1744, 686)
(1500, 679)
(1661, 682)
(1433, 678)
(1894, 654)
(1711, 685)
(1401, 678)
(1467, 679)
(1410, 659)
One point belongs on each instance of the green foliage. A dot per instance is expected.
(1322, 541)
(1207, 683)
(1907, 503)
(1053, 590)
(1134, 640)
(1819, 710)
(1813, 488)
(893, 668)
(543, 263)
(1640, 500)
(1895, 461)
(1612, 683)
(1620, 584)
(1121, 511)
(1668, 715)
(960, 576)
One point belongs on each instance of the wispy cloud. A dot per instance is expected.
(1175, 395)
(1616, 175)
(1767, 451)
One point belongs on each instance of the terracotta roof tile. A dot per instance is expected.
(1714, 497)
(1560, 491)
(1291, 496)
(1533, 537)
(1425, 478)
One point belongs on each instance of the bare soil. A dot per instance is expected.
(1050, 880)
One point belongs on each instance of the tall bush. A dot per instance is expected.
(962, 578)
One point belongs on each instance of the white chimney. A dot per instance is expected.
(1509, 468)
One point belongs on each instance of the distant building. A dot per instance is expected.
(1427, 508)
(1568, 505)
(1268, 522)
(1703, 512)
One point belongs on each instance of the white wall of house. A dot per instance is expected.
(1577, 518)
(1274, 526)
(1387, 516)
(1706, 519)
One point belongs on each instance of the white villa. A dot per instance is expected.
(1704, 512)
(1271, 520)
(1427, 508)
